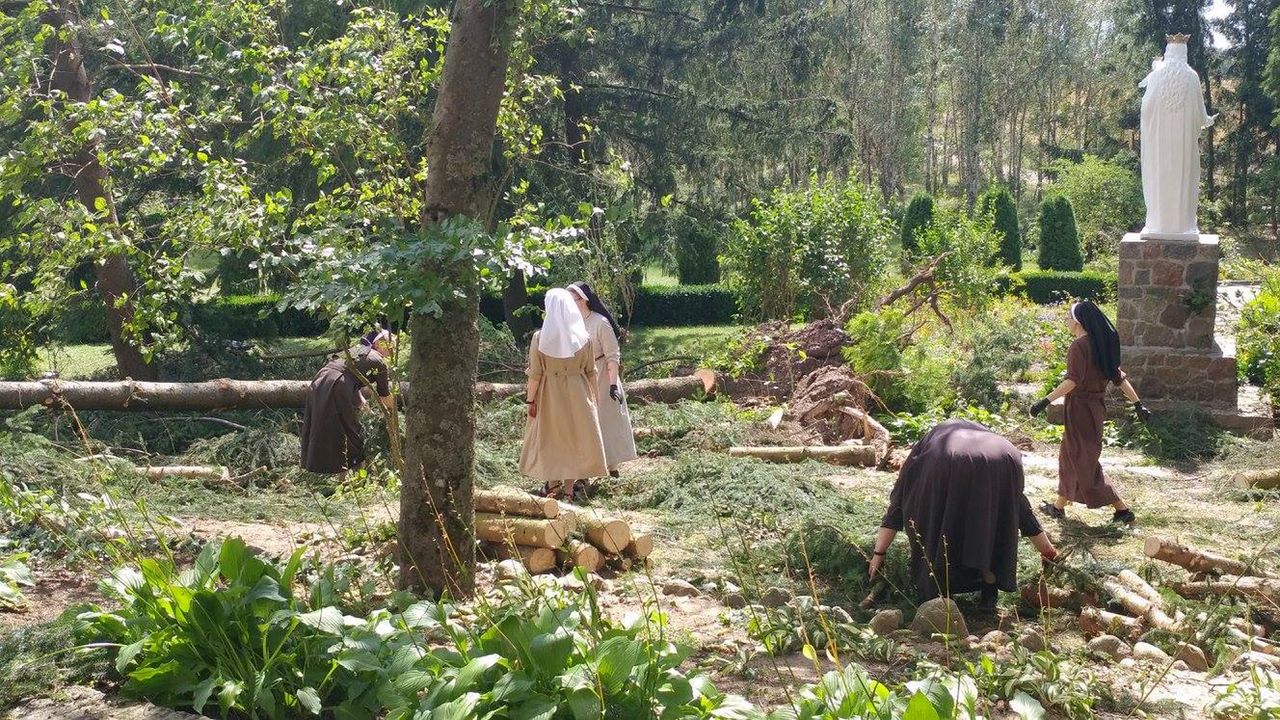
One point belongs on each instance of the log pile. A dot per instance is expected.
(546, 535)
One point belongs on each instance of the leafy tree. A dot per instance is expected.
(918, 216)
(697, 240)
(1059, 239)
(1004, 211)
(1107, 197)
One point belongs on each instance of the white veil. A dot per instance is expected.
(563, 331)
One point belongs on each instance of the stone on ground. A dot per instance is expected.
(679, 588)
(735, 601)
(886, 622)
(1193, 656)
(1109, 646)
(1032, 640)
(939, 615)
(775, 597)
(1150, 653)
(512, 570)
(996, 638)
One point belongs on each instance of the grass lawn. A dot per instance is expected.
(76, 361)
(646, 344)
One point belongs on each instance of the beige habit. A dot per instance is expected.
(563, 442)
(615, 419)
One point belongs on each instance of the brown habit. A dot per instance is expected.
(331, 438)
(959, 499)
(1080, 477)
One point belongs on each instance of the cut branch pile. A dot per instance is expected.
(544, 534)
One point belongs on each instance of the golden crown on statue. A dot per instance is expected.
(1177, 38)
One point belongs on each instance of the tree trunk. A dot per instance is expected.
(513, 501)
(115, 284)
(515, 295)
(437, 534)
(1191, 558)
(864, 455)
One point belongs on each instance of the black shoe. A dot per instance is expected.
(1125, 516)
(987, 598)
(614, 474)
(1053, 511)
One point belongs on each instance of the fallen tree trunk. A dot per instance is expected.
(609, 534)
(227, 394)
(580, 554)
(195, 472)
(537, 560)
(1255, 643)
(1096, 621)
(1258, 479)
(1131, 580)
(507, 530)
(864, 455)
(1265, 589)
(1154, 615)
(640, 547)
(513, 501)
(1191, 558)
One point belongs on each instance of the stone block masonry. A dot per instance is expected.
(1165, 312)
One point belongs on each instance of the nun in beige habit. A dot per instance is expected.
(615, 419)
(562, 441)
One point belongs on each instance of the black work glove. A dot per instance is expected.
(615, 393)
(1038, 407)
(1142, 412)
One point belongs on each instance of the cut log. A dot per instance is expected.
(1096, 621)
(1264, 589)
(864, 455)
(505, 529)
(611, 535)
(640, 547)
(513, 501)
(1136, 604)
(225, 394)
(1258, 479)
(580, 554)
(1134, 582)
(1040, 595)
(1255, 643)
(1190, 558)
(194, 472)
(537, 560)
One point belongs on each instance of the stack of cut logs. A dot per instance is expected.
(546, 535)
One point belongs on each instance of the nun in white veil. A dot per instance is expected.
(562, 441)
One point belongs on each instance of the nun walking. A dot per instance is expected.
(332, 441)
(1093, 362)
(562, 441)
(615, 418)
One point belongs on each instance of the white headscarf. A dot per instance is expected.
(563, 332)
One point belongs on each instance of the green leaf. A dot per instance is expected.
(810, 654)
(550, 652)
(100, 204)
(327, 619)
(127, 654)
(202, 156)
(360, 661)
(468, 678)
(538, 707)
(1027, 707)
(201, 695)
(309, 699)
(584, 704)
(266, 589)
(617, 657)
(919, 708)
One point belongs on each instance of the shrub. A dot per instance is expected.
(903, 377)
(802, 251)
(997, 346)
(83, 322)
(1107, 197)
(683, 305)
(999, 204)
(918, 216)
(1259, 338)
(244, 317)
(1049, 286)
(1059, 239)
(697, 241)
(966, 273)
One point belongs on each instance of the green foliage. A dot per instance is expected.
(1176, 434)
(1259, 338)
(83, 320)
(918, 216)
(266, 447)
(35, 660)
(697, 241)
(965, 274)
(18, 356)
(14, 575)
(905, 376)
(997, 347)
(1043, 679)
(1107, 198)
(840, 556)
(683, 305)
(1054, 286)
(807, 250)
(998, 203)
(1059, 238)
(242, 317)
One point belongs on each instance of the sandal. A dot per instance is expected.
(1125, 517)
(1053, 511)
(581, 494)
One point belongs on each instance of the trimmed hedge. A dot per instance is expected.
(1051, 286)
(1059, 237)
(918, 216)
(999, 202)
(243, 317)
(654, 306)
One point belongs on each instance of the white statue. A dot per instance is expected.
(1173, 115)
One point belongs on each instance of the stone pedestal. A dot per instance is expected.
(1165, 313)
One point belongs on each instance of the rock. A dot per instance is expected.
(571, 582)
(996, 638)
(1032, 640)
(885, 622)
(1109, 646)
(729, 588)
(804, 603)
(1150, 653)
(939, 615)
(842, 616)
(735, 601)
(1193, 656)
(1128, 662)
(708, 588)
(1249, 660)
(679, 588)
(511, 571)
(775, 597)
(1180, 665)
(599, 583)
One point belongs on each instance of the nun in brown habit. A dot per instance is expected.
(332, 441)
(959, 499)
(1093, 362)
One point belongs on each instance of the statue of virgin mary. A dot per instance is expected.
(1173, 115)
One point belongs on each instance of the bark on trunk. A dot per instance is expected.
(1258, 480)
(512, 501)
(530, 532)
(515, 295)
(1095, 621)
(1191, 558)
(436, 512)
(1139, 605)
(115, 283)
(1263, 589)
